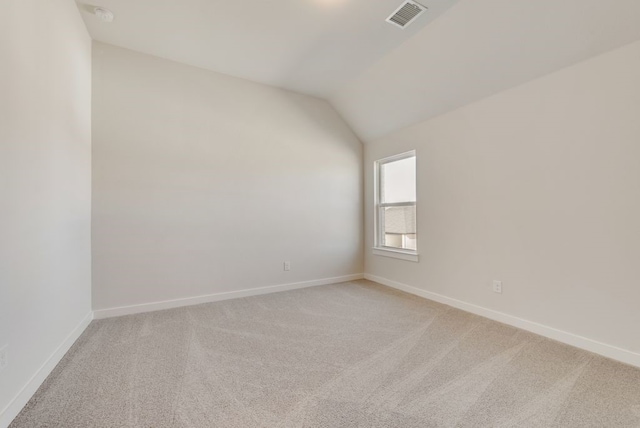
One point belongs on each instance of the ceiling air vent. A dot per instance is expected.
(406, 14)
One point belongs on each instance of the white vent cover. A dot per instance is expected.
(406, 14)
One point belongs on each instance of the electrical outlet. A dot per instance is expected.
(287, 266)
(497, 287)
(4, 357)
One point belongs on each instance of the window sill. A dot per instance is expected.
(409, 256)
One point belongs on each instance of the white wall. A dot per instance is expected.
(539, 187)
(45, 188)
(204, 183)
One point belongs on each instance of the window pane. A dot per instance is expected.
(399, 227)
(398, 181)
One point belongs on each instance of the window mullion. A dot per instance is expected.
(397, 204)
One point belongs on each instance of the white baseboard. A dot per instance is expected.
(609, 351)
(189, 301)
(12, 410)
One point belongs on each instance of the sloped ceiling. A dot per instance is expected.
(308, 46)
(479, 48)
(379, 77)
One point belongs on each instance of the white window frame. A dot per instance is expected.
(379, 249)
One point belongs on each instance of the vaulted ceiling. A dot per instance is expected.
(479, 48)
(309, 46)
(379, 77)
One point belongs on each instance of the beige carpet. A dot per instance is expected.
(348, 355)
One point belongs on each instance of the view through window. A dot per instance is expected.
(396, 203)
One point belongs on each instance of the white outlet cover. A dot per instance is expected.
(4, 357)
(497, 286)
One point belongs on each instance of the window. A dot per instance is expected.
(396, 226)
